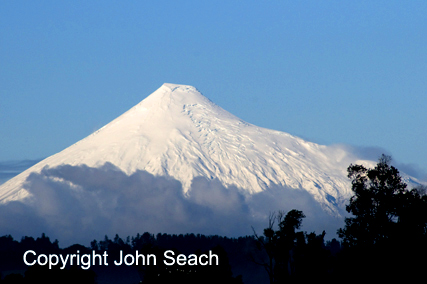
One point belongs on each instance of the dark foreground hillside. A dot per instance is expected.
(241, 260)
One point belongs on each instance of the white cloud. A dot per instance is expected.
(79, 204)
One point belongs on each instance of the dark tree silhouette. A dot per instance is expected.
(388, 229)
(267, 244)
(382, 206)
(279, 246)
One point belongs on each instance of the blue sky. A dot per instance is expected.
(351, 72)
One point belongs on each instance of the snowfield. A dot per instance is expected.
(178, 132)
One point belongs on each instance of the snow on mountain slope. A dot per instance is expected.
(176, 131)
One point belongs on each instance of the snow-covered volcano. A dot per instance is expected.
(178, 132)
